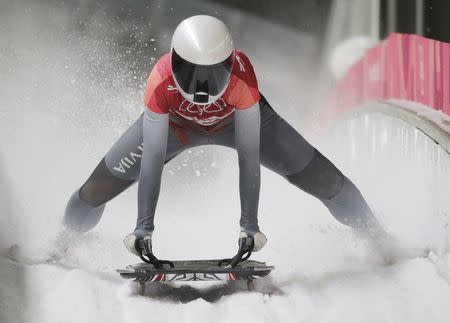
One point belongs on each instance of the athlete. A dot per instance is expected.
(204, 92)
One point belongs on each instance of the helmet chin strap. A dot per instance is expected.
(201, 92)
(201, 98)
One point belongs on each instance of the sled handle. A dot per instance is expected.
(151, 258)
(244, 252)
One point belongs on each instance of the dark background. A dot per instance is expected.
(435, 15)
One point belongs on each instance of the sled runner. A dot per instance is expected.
(236, 268)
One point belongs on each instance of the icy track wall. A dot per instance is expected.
(410, 71)
(392, 108)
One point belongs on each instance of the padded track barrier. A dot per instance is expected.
(401, 68)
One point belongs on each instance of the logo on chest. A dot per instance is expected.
(206, 115)
(213, 108)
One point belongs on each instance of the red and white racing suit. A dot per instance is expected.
(241, 119)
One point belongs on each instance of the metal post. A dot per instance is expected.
(391, 16)
(375, 19)
(419, 17)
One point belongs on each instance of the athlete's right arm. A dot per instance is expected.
(155, 132)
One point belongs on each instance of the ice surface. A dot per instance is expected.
(61, 110)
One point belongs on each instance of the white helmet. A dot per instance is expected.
(202, 58)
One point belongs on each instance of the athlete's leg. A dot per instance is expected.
(117, 171)
(286, 152)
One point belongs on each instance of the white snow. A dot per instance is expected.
(347, 53)
(324, 273)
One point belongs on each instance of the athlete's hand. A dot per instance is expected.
(137, 241)
(259, 239)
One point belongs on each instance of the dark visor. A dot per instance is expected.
(207, 79)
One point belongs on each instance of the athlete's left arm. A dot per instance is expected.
(247, 133)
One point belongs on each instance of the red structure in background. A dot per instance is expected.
(403, 67)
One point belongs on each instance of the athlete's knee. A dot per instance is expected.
(319, 178)
(339, 194)
(86, 205)
(81, 216)
(349, 207)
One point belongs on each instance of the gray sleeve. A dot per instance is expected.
(155, 130)
(247, 133)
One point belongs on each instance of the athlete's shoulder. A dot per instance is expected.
(161, 71)
(243, 90)
(243, 68)
(155, 90)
